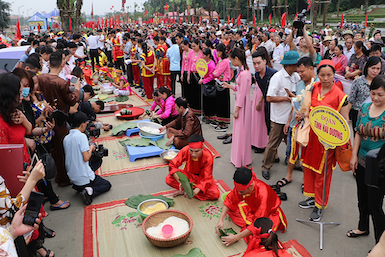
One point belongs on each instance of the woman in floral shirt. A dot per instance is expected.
(360, 92)
(370, 135)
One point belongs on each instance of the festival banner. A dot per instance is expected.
(342, 21)
(283, 21)
(366, 20)
(270, 19)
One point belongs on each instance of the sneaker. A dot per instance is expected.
(87, 199)
(221, 129)
(316, 214)
(308, 203)
(214, 124)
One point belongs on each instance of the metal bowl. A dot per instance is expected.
(152, 125)
(149, 203)
(164, 154)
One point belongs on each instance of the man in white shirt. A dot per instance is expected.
(348, 47)
(284, 80)
(79, 53)
(267, 43)
(101, 39)
(93, 46)
(45, 53)
(78, 152)
(278, 53)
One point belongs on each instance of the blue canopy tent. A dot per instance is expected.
(35, 20)
(55, 13)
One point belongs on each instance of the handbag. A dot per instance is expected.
(343, 154)
(218, 86)
(209, 90)
(48, 162)
(303, 131)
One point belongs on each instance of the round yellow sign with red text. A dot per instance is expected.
(201, 66)
(330, 126)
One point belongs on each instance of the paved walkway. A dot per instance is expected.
(68, 224)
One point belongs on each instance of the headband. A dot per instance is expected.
(241, 187)
(195, 145)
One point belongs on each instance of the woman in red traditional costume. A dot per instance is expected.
(264, 242)
(249, 200)
(324, 93)
(148, 69)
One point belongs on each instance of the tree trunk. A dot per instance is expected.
(366, 6)
(258, 14)
(79, 4)
(326, 6)
(338, 8)
(315, 14)
(248, 11)
(279, 11)
(275, 11)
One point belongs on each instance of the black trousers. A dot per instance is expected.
(353, 117)
(173, 80)
(109, 56)
(130, 76)
(94, 54)
(119, 64)
(370, 200)
(99, 186)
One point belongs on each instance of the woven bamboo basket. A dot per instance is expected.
(156, 218)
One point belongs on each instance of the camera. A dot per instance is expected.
(91, 131)
(97, 157)
(300, 23)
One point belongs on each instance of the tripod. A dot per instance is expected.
(321, 223)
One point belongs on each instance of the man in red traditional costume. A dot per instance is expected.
(117, 52)
(164, 67)
(198, 167)
(249, 200)
(134, 59)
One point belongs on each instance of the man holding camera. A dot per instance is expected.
(78, 152)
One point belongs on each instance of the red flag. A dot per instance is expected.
(232, 20)
(123, 2)
(255, 21)
(209, 19)
(70, 23)
(270, 19)
(18, 32)
(366, 20)
(308, 4)
(218, 20)
(145, 13)
(38, 27)
(342, 21)
(92, 10)
(239, 20)
(296, 16)
(193, 19)
(200, 20)
(283, 21)
(228, 19)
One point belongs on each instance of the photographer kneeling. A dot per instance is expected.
(91, 109)
(77, 154)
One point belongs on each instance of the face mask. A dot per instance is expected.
(25, 91)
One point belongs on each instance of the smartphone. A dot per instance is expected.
(34, 160)
(74, 80)
(33, 208)
(219, 82)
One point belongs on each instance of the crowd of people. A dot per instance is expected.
(44, 105)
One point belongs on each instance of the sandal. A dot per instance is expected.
(47, 252)
(283, 182)
(48, 233)
(352, 234)
(56, 208)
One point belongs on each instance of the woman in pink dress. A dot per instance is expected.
(187, 55)
(193, 78)
(340, 60)
(241, 142)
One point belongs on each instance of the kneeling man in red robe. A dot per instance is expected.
(198, 167)
(249, 200)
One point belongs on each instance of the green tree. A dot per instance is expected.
(5, 9)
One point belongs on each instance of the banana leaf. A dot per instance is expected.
(136, 142)
(122, 98)
(161, 143)
(108, 79)
(195, 252)
(110, 99)
(186, 184)
(135, 200)
(227, 231)
(123, 127)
